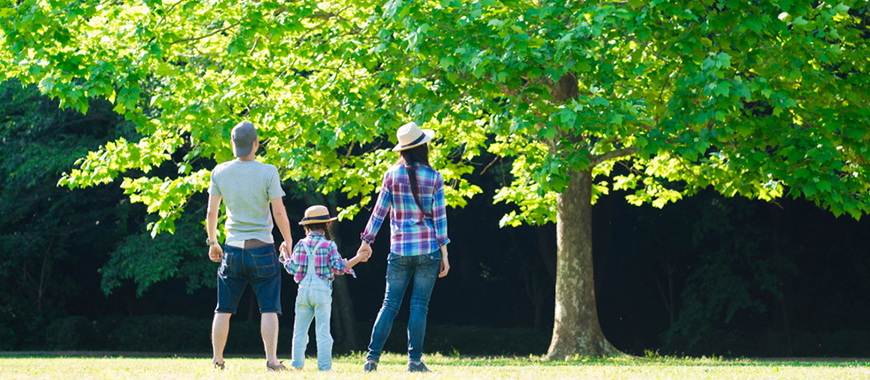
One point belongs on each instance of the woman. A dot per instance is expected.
(413, 193)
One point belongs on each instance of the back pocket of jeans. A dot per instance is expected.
(429, 268)
(266, 264)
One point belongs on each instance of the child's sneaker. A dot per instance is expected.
(371, 367)
(417, 367)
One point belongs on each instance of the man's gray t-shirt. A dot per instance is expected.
(246, 188)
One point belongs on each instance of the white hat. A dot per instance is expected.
(410, 135)
(316, 214)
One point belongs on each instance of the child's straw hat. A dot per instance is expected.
(316, 214)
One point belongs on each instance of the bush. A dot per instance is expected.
(72, 333)
(163, 333)
(22, 329)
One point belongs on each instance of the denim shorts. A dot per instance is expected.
(260, 267)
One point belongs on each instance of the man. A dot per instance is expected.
(247, 187)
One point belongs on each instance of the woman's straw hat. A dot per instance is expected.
(316, 214)
(410, 135)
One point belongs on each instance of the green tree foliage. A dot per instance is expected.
(147, 260)
(45, 231)
(760, 99)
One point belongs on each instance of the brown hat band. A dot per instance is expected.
(322, 217)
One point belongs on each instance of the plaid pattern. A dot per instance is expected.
(412, 232)
(327, 260)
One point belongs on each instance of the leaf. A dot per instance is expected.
(800, 21)
(445, 62)
(617, 119)
(708, 63)
(723, 60)
(842, 9)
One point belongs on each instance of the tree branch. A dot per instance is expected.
(599, 158)
(635, 40)
(207, 35)
(490, 164)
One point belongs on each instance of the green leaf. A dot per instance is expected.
(842, 9)
(445, 62)
(800, 21)
(723, 60)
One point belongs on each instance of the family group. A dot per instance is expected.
(412, 193)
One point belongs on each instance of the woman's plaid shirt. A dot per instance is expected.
(327, 260)
(411, 232)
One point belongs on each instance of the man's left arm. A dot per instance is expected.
(279, 214)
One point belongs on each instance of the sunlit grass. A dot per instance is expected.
(393, 366)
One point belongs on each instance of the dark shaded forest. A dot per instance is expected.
(707, 275)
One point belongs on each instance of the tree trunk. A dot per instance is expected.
(576, 330)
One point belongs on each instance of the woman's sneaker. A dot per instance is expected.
(417, 367)
(371, 367)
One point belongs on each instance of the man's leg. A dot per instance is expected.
(267, 287)
(220, 327)
(269, 330)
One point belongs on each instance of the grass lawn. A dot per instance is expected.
(393, 367)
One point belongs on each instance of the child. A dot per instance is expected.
(314, 263)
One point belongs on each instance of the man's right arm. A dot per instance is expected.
(279, 214)
(215, 252)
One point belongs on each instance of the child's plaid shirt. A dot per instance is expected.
(412, 232)
(327, 260)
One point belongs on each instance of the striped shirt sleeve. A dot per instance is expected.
(382, 207)
(293, 265)
(439, 212)
(336, 263)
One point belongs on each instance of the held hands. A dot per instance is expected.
(215, 252)
(365, 251)
(285, 252)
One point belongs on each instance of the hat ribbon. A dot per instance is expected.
(422, 136)
(322, 217)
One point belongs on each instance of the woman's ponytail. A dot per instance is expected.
(418, 154)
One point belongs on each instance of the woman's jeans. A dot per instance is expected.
(400, 270)
(314, 300)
